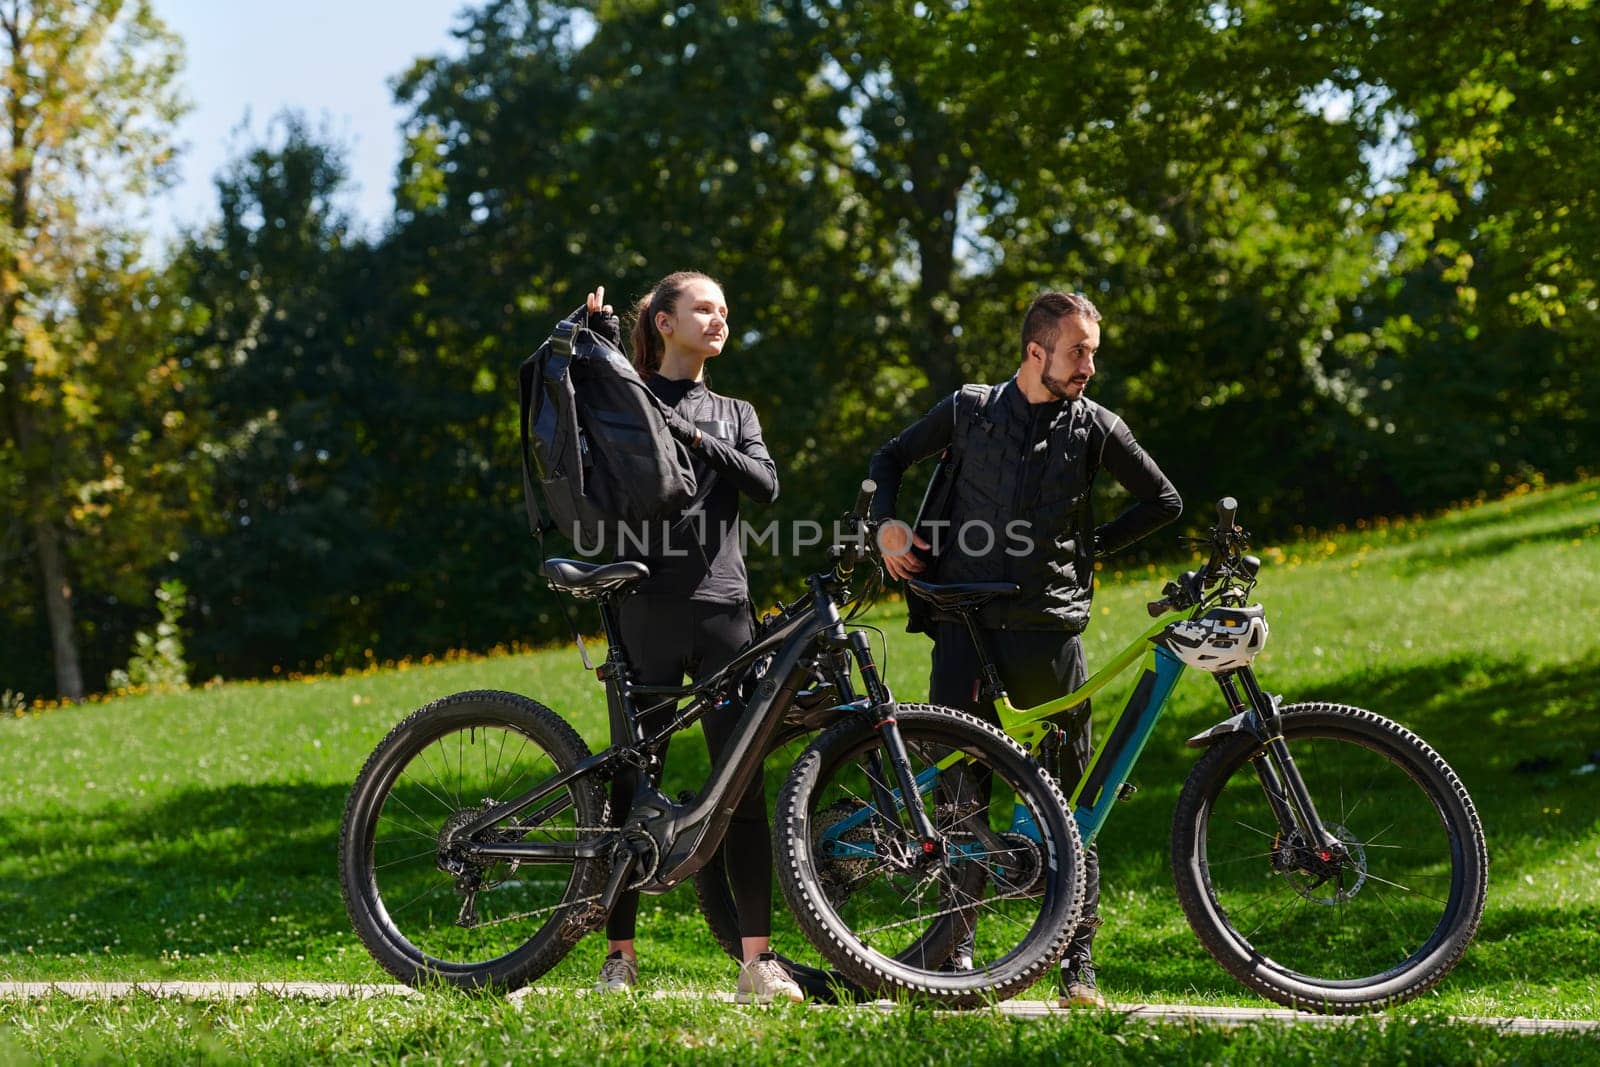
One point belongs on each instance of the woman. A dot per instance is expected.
(693, 613)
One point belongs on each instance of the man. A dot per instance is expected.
(1024, 455)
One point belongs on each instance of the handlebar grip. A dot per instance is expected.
(864, 499)
(1227, 508)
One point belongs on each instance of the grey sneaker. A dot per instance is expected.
(1078, 987)
(618, 974)
(763, 980)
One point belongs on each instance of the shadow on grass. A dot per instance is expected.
(203, 870)
(1493, 719)
(1557, 500)
(1452, 551)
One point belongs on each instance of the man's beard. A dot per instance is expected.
(1059, 387)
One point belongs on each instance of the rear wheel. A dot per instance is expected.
(425, 907)
(886, 911)
(1376, 920)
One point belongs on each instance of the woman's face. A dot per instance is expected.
(699, 322)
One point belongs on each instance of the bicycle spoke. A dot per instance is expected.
(448, 902)
(403, 859)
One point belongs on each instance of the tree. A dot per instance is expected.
(88, 108)
(304, 415)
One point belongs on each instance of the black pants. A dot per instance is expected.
(666, 639)
(1035, 666)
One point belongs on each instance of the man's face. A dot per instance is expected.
(1070, 364)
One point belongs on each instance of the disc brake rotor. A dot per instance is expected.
(1318, 877)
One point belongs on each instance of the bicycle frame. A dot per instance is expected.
(1119, 750)
(1123, 742)
(684, 836)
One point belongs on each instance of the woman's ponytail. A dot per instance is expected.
(644, 340)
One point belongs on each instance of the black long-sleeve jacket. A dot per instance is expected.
(698, 555)
(1022, 509)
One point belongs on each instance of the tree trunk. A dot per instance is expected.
(938, 177)
(58, 606)
(57, 588)
(936, 250)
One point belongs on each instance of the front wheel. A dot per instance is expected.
(1375, 920)
(887, 909)
(424, 904)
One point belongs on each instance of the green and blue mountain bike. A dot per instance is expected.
(1326, 856)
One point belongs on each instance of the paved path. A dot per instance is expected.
(1154, 1013)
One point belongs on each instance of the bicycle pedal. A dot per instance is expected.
(1126, 790)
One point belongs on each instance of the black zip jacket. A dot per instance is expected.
(698, 555)
(1022, 509)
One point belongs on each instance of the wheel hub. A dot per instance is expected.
(452, 857)
(1323, 875)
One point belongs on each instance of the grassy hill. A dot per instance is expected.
(191, 835)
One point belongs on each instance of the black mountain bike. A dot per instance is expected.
(478, 846)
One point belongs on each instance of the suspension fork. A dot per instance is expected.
(1286, 791)
(883, 714)
(884, 709)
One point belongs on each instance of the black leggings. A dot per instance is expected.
(667, 638)
(1035, 666)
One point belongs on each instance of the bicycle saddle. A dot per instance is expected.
(961, 595)
(589, 580)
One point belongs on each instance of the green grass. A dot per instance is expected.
(192, 835)
(458, 1029)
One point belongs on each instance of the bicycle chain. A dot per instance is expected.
(585, 916)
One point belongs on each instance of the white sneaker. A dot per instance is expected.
(763, 980)
(618, 974)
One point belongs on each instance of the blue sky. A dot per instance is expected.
(331, 59)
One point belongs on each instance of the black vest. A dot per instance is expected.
(1044, 544)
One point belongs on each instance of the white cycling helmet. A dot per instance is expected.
(1222, 639)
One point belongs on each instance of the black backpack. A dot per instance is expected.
(594, 440)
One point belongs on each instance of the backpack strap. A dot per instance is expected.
(974, 409)
(537, 523)
(971, 409)
(532, 368)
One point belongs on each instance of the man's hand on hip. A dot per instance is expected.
(895, 540)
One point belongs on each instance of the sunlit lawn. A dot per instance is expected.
(192, 835)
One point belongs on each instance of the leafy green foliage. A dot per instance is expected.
(302, 408)
(95, 424)
(1346, 253)
(158, 662)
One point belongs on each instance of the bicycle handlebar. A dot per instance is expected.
(847, 553)
(864, 499)
(1226, 541)
(1227, 509)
